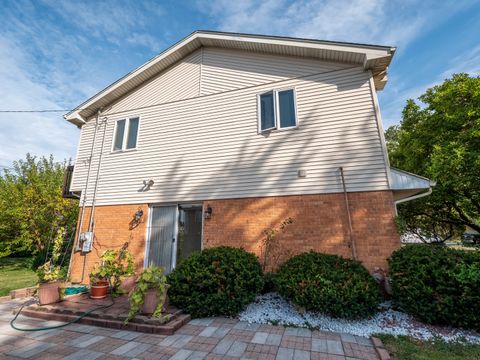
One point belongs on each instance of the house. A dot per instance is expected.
(225, 135)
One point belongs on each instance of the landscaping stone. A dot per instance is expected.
(273, 309)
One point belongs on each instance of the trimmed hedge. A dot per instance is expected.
(216, 281)
(438, 285)
(329, 284)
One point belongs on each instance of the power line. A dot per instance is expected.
(181, 100)
(34, 111)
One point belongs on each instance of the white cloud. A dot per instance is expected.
(368, 21)
(467, 62)
(39, 134)
(55, 58)
(114, 21)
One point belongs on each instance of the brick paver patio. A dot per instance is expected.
(213, 338)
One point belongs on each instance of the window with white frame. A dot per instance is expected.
(126, 133)
(277, 110)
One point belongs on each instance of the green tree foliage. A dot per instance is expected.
(440, 139)
(32, 209)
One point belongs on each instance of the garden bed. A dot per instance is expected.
(273, 309)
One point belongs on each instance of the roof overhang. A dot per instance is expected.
(375, 58)
(407, 186)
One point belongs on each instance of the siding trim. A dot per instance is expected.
(200, 75)
(381, 132)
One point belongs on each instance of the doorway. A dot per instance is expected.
(174, 233)
(189, 231)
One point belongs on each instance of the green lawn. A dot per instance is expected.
(405, 348)
(15, 273)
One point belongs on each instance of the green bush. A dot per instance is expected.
(217, 281)
(438, 285)
(269, 283)
(329, 284)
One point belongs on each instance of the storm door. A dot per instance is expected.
(162, 237)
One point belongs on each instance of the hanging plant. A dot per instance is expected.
(152, 278)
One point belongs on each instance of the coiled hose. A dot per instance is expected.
(12, 322)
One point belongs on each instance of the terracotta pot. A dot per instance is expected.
(99, 290)
(127, 283)
(48, 293)
(151, 301)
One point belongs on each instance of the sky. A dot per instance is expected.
(54, 54)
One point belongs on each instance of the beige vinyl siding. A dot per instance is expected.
(208, 147)
(180, 81)
(224, 69)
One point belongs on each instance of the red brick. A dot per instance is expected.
(320, 224)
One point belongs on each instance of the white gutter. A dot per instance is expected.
(413, 197)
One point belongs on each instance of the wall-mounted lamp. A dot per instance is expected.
(138, 215)
(136, 219)
(208, 212)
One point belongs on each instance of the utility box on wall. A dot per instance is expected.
(86, 241)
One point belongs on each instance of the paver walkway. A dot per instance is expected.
(213, 338)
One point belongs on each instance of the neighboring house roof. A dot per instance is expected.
(375, 58)
(407, 186)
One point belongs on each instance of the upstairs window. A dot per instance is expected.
(277, 110)
(126, 134)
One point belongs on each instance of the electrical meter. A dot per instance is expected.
(86, 241)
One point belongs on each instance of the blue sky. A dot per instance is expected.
(54, 54)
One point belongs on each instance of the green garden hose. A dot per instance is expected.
(57, 326)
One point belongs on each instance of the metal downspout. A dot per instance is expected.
(84, 201)
(349, 216)
(90, 226)
(92, 211)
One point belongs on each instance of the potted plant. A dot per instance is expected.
(49, 288)
(99, 282)
(101, 275)
(50, 276)
(126, 278)
(150, 293)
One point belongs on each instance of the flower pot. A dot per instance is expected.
(127, 284)
(48, 293)
(151, 301)
(99, 289)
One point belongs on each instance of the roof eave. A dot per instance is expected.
(376, 58)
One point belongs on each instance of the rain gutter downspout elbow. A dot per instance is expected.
(413, 197)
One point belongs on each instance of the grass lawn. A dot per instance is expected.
(15, 273)
(405, 348)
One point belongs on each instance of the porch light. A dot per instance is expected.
(208, 212)
(138, 215)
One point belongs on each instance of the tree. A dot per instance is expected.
(441, 141)
(32, 210)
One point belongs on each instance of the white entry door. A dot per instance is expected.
(162, 237)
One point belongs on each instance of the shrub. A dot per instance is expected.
(329, 284)
(437, 284)
(268, 283)
(217, 281)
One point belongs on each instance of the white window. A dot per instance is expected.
(126, 133)
(277, 110)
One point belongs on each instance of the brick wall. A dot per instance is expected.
(112, 230)
(320, 224)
